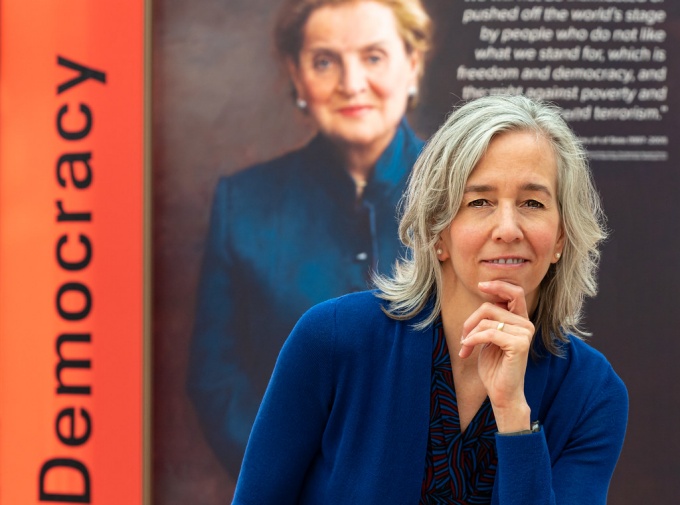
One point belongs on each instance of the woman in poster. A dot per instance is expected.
(316, 222)
(463, 379)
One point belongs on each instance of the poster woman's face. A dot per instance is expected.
(354, 73)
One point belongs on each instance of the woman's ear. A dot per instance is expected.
(559, 246)
(441, 250)
(294, 73)
(416, 67)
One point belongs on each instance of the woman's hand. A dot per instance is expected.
(504, 332)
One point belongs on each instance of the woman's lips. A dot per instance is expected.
(506, 261)
(354, 110)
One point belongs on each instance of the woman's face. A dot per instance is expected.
(508, 226)
(354, 72)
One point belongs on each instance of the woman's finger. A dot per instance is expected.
(511, 295)
(509, 338)
(489, 315)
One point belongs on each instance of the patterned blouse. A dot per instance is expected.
(459, 467)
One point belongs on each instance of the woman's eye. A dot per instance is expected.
(322, 63)
(480, 202)
(534, 204)
(374, 58)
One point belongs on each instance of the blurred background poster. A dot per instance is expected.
(222, 103)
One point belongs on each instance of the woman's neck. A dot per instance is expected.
(359, 164)
(457, 305)
(453, 319)
(360, 159)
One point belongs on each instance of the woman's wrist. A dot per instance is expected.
(514, 419)
(535, 428)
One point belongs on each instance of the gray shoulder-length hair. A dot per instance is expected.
(434, 195)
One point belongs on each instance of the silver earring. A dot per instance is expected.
(558, 255)
(439, 251)
(412, 91)
(302, 104)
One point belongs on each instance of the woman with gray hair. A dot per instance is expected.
(464, 378)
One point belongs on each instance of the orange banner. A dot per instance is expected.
(72, 157)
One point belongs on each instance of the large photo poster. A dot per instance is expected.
(258, 214)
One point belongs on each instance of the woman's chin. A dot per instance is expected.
(359, 134)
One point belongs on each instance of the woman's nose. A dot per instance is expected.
(507, 226)
(353, 78)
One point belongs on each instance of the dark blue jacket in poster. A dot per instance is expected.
(284, 235)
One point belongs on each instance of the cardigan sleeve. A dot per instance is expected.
(530, 474)
(221, 390)
(288, 430)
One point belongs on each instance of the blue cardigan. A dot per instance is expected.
(284, 235)
(345, 418)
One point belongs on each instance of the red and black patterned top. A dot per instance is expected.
(459, 467)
